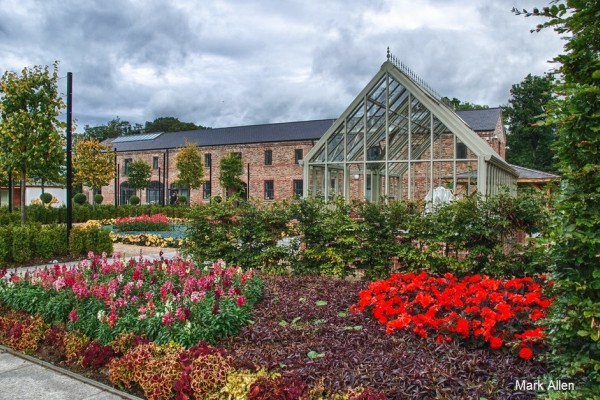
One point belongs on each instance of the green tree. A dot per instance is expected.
(93, 163)
(170, 124)
(189, 164)
(462, 106)
(114, 128)
(530, 144)
(574, 322)
(139, 173)
(230, 172)
(30, 137)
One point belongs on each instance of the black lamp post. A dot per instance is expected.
(69, 155)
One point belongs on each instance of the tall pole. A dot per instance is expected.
(10, 191)
(248, 183)
(116, 179)
(69, 158)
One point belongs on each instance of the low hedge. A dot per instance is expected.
(22, 244)
(82, 213)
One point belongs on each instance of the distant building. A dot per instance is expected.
(397, 139)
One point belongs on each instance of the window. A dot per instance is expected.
(269, 190)
(461, 151)
(268, 157)
(154, 193)
(206, 192)
(298, 187)
(207, 160)
(298, 155)
(126, 166)
(155, 162)
(183, 193)
(126, 193)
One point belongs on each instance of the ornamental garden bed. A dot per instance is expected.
(155, 230)
(307, 336)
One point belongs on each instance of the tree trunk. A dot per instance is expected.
(23, 178)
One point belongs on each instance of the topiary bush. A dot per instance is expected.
(46, 197)
(98, 198)
(134, 200)
(79, 198)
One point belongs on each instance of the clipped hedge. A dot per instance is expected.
(21, 244)
(82, 213)
(85, 239)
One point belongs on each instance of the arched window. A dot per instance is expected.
(154, 193)
(126, 193)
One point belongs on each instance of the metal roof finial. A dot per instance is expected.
(388, 53)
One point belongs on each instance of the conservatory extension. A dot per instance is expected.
(398, 140)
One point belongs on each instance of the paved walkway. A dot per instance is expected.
(24, 377)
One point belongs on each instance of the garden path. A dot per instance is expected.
(23, 377)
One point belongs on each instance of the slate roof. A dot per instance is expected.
(528, 173)
(478, 120)
(524, 174)
(481, 120)
(278, 132)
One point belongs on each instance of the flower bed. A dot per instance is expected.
(164, 300)
(302, 342)
(500, 313)
(156, 222)
(147, 239)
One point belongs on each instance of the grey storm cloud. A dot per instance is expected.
(226, 63)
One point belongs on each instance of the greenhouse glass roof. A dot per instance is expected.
(398, 140)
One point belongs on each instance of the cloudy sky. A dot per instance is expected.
(241, 62)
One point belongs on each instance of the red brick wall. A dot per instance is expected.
(283, 170)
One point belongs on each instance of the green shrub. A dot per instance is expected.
(83, 240)
(46, 197)
(134, 200)
(5, 243)
(330, 236)
(22, 249)
(98, 198)
(79, 198)
(43, 243)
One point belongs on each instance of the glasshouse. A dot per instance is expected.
(399, 140)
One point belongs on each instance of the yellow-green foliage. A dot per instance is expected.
(74, 342)
(153, 367)
(239, 382)
(22, 333)
(209, 375)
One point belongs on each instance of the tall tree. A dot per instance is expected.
(170, 124)
(112, 129)
(189, 164)
(93, 163)
(30, 137)
(462, 106)
(230, 172)
(528, 143)
(139, 174)
(574, 322)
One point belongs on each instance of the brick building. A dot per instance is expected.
(396, 140)
(271, 155)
